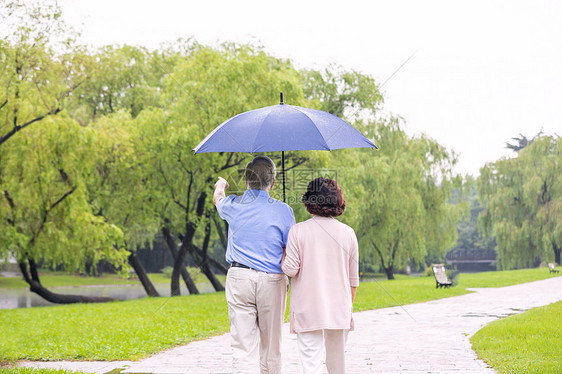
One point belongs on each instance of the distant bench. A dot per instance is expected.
(551, 268)
(441, 279)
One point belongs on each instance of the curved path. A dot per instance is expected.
(430, 337)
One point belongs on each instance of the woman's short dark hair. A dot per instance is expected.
(324, 198)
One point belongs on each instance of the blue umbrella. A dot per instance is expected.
(283, 128)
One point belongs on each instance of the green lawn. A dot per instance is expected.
(129, 330)
(110, 331)
(403, 290)
(18, 370)
(530, 342)
(502, 278)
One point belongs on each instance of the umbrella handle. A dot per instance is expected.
(281, 98)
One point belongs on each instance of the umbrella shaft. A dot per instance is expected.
(283, 172)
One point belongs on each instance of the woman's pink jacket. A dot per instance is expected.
(322, 260)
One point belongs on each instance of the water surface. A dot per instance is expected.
(23, 298)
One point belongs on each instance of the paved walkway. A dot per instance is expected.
(430, 337)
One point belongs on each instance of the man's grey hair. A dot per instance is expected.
(260, 173)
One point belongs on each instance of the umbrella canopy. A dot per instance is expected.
(283, 128)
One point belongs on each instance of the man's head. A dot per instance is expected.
(260, 173)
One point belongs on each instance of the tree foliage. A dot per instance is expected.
(400, 199)
(120, 78)
(342, 93)
(36, 72)
(45, 215)
(522, 142)
(470, 236)
(523, 197)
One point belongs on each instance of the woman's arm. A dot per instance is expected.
(354, 266)
(291, 263)
(353, 292)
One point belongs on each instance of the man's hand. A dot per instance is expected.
(222, 182)
(220, 186)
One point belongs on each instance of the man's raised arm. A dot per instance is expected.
(220, 188)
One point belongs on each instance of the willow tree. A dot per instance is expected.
(120, 187)
(46, 215)
(523, 198)
(402, 210)
(34, 79)
(343, 93)
(206, 87)
(544, 191)
(121, 83)
(44, 212)
(120, 78)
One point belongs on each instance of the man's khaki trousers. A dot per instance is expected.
(256, 308)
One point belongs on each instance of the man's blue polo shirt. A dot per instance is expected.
(258, 227)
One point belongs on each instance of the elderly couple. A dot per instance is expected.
(264, 247)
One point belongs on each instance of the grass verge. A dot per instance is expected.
(403, 290)
(110, 331)
(523, 343)
(502, 278)
(20, 370)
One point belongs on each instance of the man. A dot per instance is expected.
(256, 288)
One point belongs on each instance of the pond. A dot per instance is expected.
(23, 298)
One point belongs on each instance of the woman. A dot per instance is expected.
(322, 260)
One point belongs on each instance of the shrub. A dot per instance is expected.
(167, 271)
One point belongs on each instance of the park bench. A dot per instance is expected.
(441, 279)
(551, 268)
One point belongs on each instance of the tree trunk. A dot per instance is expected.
(389, 272)
(203, 260)
(190, 284)
(557, 251)
(201, 257)
(179, 268)
(218, 266)
(32, 278)
(141, 273)
(186, 241)
(217, 285)
(222, 230)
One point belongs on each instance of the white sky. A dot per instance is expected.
(483, 71)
